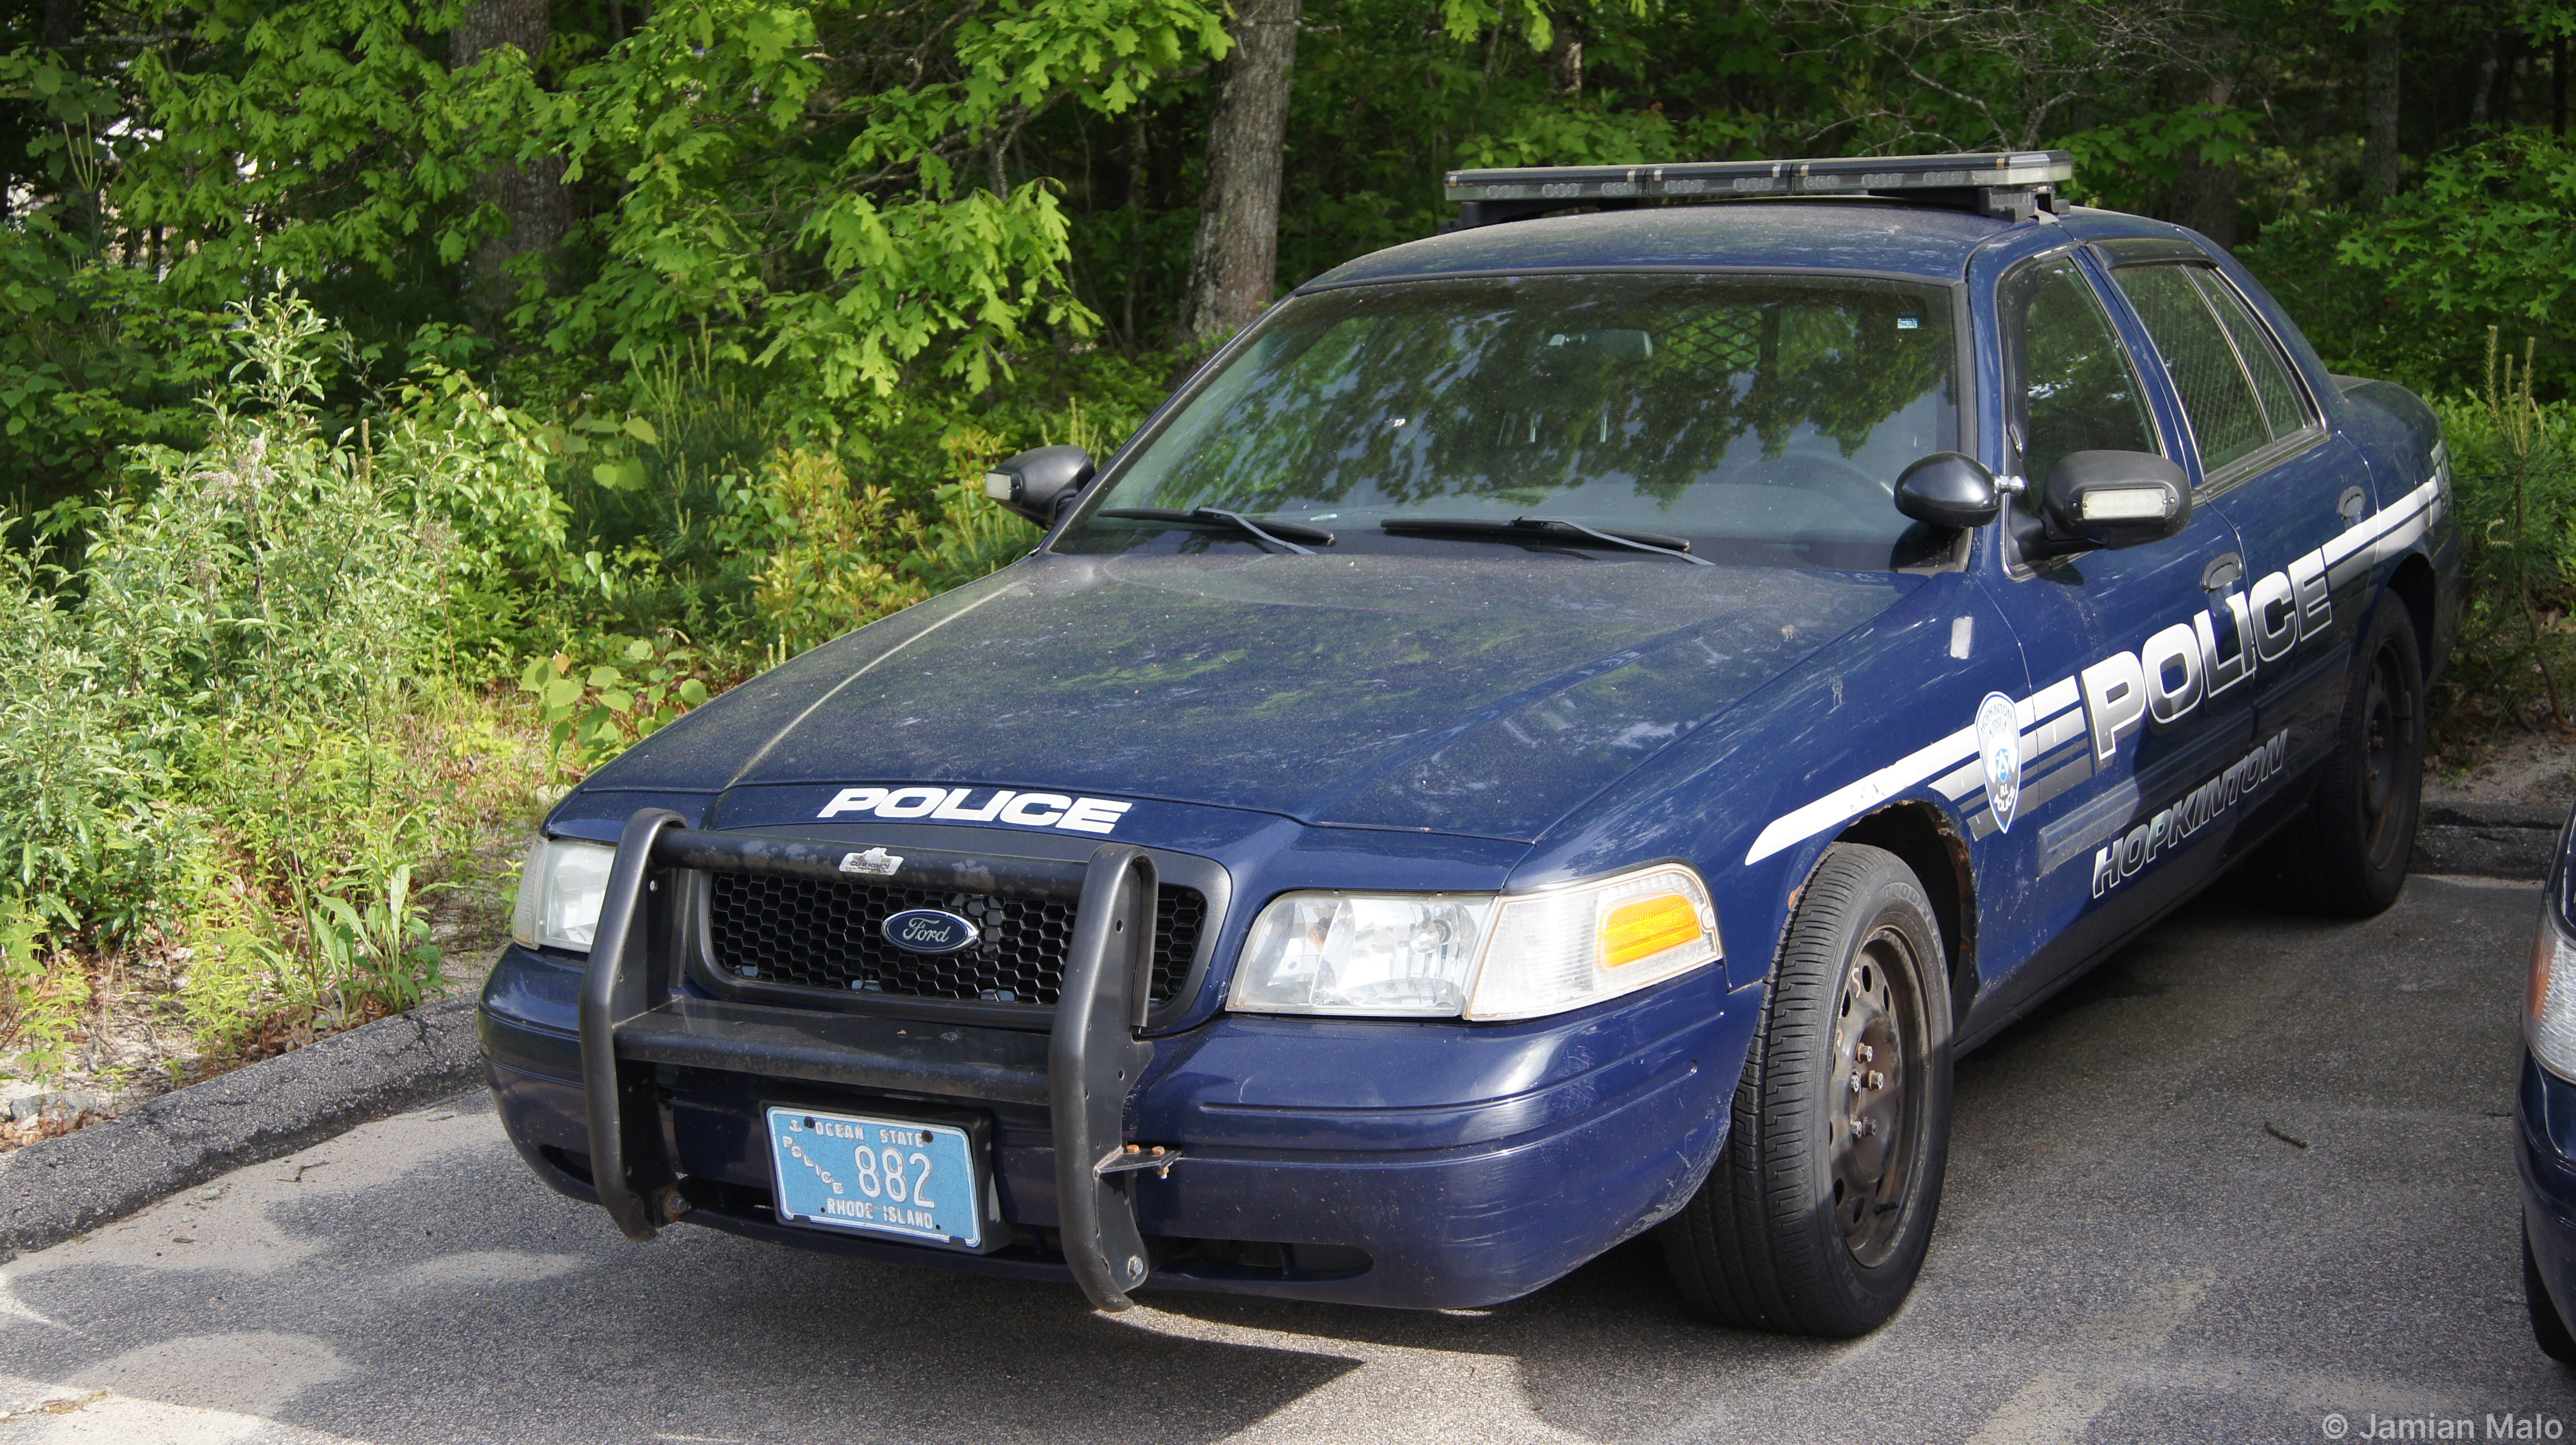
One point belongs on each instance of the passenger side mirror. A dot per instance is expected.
(1949, 489)
(1041, 482)
(2113, 499)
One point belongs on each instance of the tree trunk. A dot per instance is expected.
(1565, 54)
(532, 197)
(2204, 195)
(1234, 260)
(62, 23)
(2558, 86)
(2481, 101)
(2379, 112)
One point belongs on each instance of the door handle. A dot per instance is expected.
(2223, 572)
(2351, 505)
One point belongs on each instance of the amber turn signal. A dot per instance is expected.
(1647, 927)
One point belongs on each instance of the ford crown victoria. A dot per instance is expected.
(1563, 729)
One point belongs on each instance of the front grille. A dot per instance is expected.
(812, 934)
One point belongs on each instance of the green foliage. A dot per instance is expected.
(222, 685)
(2486, 237)
(375, 958)
(85, 826)
(846, 557)
(2124, 164)
(2513, 464)
(781, 196)
(339, 98)
(93, 358)
(590, 715)
(41, 1001)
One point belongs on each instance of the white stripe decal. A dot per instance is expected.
(1960, 782)
(2049, 701)
(2048, 717)
(1853, 799)
(2378, 538)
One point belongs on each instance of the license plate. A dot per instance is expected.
(899, 1178)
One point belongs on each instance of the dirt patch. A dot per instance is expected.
(2521, 771)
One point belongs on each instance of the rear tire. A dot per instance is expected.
(2546, 1326)
(1815, 1219)
(2345, 855)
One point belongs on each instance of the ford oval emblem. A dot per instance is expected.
(927, 930)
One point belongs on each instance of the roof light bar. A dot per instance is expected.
(1522, 191)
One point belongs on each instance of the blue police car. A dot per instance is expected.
(2545, 1113)
(1564, 729)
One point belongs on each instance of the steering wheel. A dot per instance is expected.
(1806, 471)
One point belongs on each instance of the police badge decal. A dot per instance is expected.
(1999, 743)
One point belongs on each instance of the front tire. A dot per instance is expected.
(1815, 1219)
(2345, 856)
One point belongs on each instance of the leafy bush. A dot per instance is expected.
(40, 1005)
(223, 689)
(85, 776)
(590, 715)
(2514, 480)
(2406, 290)
(845, 557)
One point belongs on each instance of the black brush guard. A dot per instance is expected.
(633, 1019)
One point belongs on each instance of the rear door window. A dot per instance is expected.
(2226, 417)
(2283, 404)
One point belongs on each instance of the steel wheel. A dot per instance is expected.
(2346, 852)
(1872, 1129)
(1816, 1214)
(2390, 722)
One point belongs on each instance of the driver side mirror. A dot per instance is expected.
(1041, 482)
(1949, 489)
(2112, 499)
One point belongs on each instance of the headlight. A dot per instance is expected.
(2551, 1008)
(1474, 955)
(559, 894)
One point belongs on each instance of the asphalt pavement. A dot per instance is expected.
(2250, 1181)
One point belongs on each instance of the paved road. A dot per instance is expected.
(2128, 1253)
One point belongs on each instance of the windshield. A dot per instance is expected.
(1764, 418)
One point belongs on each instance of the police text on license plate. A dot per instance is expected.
(899, 1178)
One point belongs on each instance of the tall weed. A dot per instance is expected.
(2514, 478)
(222, 684)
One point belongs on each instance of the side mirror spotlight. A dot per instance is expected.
(1041, 482)
(2113, 499)
(1949, 489)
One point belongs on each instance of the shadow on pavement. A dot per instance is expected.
(2117, 1212)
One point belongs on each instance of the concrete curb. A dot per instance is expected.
(59, 1188)
(2487, 840)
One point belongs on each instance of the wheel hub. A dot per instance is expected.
(2388, 722)
(1868, 1099)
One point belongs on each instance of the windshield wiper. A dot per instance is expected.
(1275, 533)
(1530, 529)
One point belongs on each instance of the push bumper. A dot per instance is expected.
(1423, 1165)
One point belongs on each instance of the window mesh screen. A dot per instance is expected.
(2215, 393)
(2262, 357)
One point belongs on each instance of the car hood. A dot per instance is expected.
(1485, 694)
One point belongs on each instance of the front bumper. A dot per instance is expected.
(1421, 1164)
(2545, 1154)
